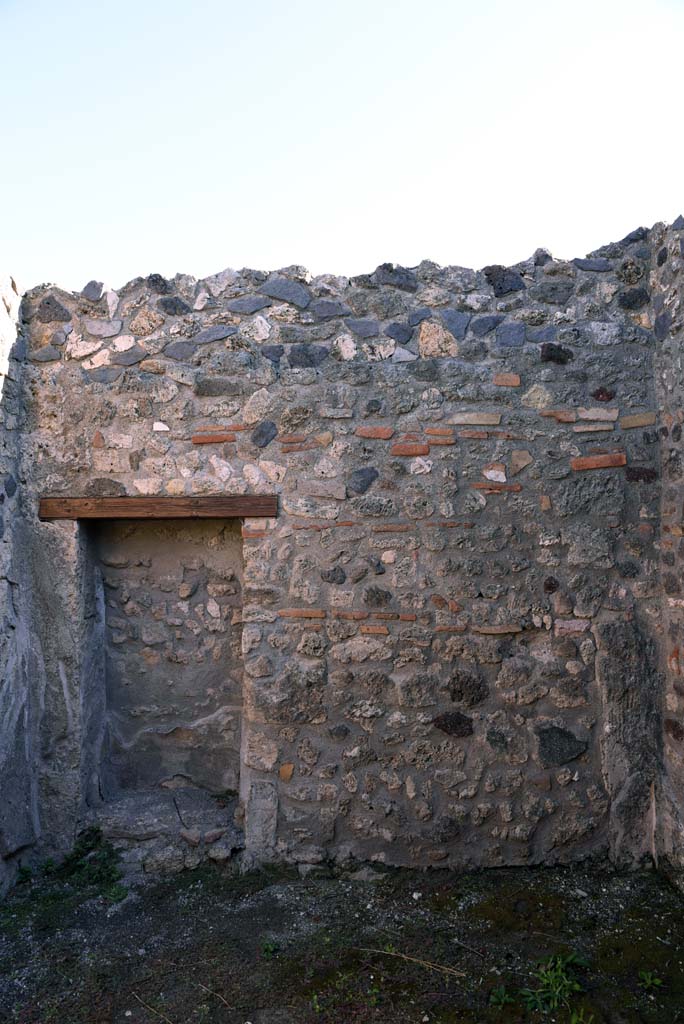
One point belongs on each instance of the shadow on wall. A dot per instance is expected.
(51, 633)
(18, 818)
(172, 654)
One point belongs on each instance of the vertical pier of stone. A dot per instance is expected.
(668, 302)
(17, 809)
(51, 654)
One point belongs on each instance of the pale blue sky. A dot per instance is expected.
(142, 135)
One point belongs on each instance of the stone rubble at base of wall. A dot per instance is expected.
(459, 631)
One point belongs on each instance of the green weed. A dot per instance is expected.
(649, 981)
(556, 983)
(269, 949)
(499, 997)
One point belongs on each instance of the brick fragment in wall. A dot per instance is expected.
(473, 470)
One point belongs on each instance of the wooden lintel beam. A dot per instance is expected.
(209, 507)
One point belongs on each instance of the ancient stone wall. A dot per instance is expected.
(48, 647)
(452, 634)
(15, 828)
(667, 286)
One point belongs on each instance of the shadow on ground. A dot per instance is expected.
(78, 945)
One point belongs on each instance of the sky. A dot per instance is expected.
(188, 136)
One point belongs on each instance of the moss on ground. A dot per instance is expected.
(44, 902)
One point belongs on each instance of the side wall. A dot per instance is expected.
(448, 631)
(668, 289)
(16, 821)
(48, 675)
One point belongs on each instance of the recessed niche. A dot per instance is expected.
(172, 595)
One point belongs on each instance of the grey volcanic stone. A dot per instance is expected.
(417, 316)
(287, 291)
(10, 485)
(215, 333)
(537, 335)
(92, 291)
(213, 387)
(453, 723)
(326, 309)
(551, 353)
(662, 325)
(50, 309)
(401, 333)
(396, 277)
(403, 355)
(363, 328)
(376, 597)
(638, 235)
(455, 322)
(558, 746)
(181, 350)
(263, 434)
(602, 394)
(467, 688)
(641, 474)
(273, 353)
(503, 280)
(361, 479)
(334, 575)
(307, 355)
(339, 732)
(158, 284)
(173, 306)
(297, 333)
(597, 264)
(484, 324)
(555, 291)
(103, 487)
(134, 354)
(510, 334)
(105, 374)
(633, 298)
(497, 740)
(47, 354)
(248, 304)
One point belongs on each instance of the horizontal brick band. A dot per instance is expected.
(301, 613)
(212, 438)
(409, 449)
(608, 461)
(375, 433)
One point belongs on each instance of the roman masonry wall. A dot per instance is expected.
(460, 640)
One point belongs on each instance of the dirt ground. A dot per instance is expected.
(573, 946)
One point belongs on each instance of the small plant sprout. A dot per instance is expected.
(649, 981)
(499, 997)
(269, 949)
